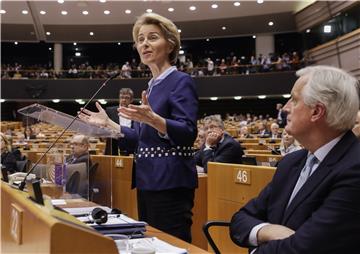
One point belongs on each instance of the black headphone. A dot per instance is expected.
(100, 216)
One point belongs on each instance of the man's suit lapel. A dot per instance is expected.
(321, 172)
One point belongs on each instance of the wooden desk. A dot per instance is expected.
(227, 194)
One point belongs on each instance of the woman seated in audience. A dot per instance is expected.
(8, 159)
(288, 144)
(29, 133)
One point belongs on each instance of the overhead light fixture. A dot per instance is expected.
(106, 12)
(80, 101)
(207, 39)
(127, 11)
(237, 98)
(308, 31)
(2, 11)
(149, 10)
(179, 30)
(91, 33)
(102, 101)
(50, 49)
(261, 97)
(271, 23)
(214, 6)
(2, 100)
(242, 57)
(76, 49)
(25, 12)
(171, 9)
(60, 1)
(181, 52)
(237, 4)
(119, 43)
(74, 43)
(254, 36)
(85, 12)
(16, 43)
(214, 98)
(64, 13)
(223, 28)
(286, 96)
(77, 53)
(327, 29)
(56, 100)
(192, 8)
(102, 1)
(42, 12)
(48, 33)
(260, 1)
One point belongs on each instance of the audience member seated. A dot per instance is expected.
(29, 133)
(274, 127)
(219, 146)
(8, 159)
(263, 132)
(288, 144)
(80, 150)
(244, 132)
(356, 128)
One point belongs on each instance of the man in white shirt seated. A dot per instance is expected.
(312, 203)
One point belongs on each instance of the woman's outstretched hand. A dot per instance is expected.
(99, 118)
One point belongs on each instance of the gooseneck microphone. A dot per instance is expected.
(273, 150)
(23, 182)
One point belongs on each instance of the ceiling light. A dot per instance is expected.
(127, 11)
(42, 12)
(242, 57)
(181, 52)
(179, 30)
(91, 33)
(214, 98)
(2, 100)
(50, 49)
(192, 8)
(207, 39)
(102, 1)
(25, 12)
(286, 96)
(76, 49)
(106, 12)
(102, 101)
(171, 9)
(119, 43)
(308, 30)
(56, 100)
(237, 98)
(74, 43)
(2, 11)
(77, 53)
(48, 33)
(64, 12)
(16, 43)
(260, 1)
(327, 29)
(254, 36)
(214, 6)
(223, 28)
(80, 101)
(271, 23)
(85, 12)
(262, 97)
(237, 4)
(149, 10)
(60, 1)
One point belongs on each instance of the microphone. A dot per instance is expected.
(23, 182)
(273, 151)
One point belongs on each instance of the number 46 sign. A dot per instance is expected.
(243, 176)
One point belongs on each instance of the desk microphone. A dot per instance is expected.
(273, 151)
(23, 182)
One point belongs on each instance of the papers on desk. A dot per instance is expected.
(58, 201)
(154, 243)
(85, 210)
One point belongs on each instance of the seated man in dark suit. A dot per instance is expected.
(274, 128)
(312, 203)
(80, 150)
(263, 132)
(219, 146)
(126, 96)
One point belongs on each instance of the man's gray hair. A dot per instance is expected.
(126, 90)
(336, 89)
(214, 118)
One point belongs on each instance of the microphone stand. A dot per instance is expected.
(23, 182)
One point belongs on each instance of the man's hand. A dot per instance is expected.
(273, 232)
(213, 136)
